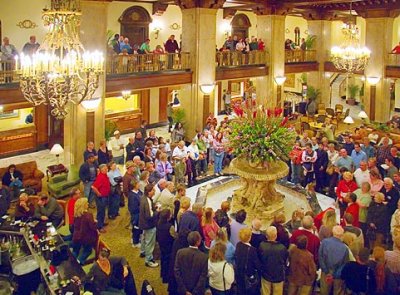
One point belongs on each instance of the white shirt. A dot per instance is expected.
(179, 153)
(217, 273)
(150, 206)
(194, 151)
(361, 176)
(166, 199)
(332, 156)
(115, 146)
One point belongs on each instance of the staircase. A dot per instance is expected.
(335, 86)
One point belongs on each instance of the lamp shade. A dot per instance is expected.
(57, 149)
(279, 80)
(126, 94)
(362, 115)
(91, 105)
(348, 120)
(373, 80)
(207, 88)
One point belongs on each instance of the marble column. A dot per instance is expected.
(93, 37)
(198, 38)
(320, 80)
(379, 41)
(271, 28)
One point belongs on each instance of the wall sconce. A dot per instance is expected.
(91, 105)
(156, 27)
(372, 81)
(207, 88)
(279, 80)
(126, 94)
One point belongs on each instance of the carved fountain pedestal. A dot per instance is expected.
(258, 195)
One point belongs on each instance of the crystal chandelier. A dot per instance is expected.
(350, 56)
(60, 71)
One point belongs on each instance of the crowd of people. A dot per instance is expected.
(243, 45)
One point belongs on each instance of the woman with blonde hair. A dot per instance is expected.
(220, 273)
(345, 186)
(222, 237)
(85, 234)
(184, 206)
(209, 226)
(329, 220)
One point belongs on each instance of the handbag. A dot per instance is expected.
(252, 282)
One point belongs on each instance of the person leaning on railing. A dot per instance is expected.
(396, 49)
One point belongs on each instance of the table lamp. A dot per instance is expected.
(56, 150)
(348, 120)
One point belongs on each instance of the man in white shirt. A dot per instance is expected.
(118, 147)
(159, 187)
(361, 174)
(180, 155)
(167, 197)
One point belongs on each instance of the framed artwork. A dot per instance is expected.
(9, 114)
(290, 81)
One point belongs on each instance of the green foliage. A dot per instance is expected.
(381, 126)
(263, 138)
(178, 115)
(313, 93)
(109, 35)
(310, 41)
(303, 78)
(353, 90)
(109, 129)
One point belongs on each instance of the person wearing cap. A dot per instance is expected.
(102, 188)
(88, 174)
(127, 178)
(118, 148)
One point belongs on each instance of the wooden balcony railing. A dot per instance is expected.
(153, 62)
(237, 58)
(294, 56)
(393, 59)
(7, 72)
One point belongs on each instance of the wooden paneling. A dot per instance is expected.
(11, 94)
(17, 140)
(301, 67)
(126, 123)
(115, 84)
(392, 72)
(145, 104)
(42, 124)
(329, 67)
(162, 104)
(240, 72)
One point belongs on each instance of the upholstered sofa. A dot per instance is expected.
(32, 176)
(61, 185)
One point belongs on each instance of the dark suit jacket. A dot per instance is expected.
(146, 221)
(191, 266)
(245, 255)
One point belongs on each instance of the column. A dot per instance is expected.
(397, 96)
(93, 36)
(320, 80)
(271, 28)
(378, 40)
(198, 38)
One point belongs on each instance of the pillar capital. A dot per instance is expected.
(229, 13)
(188, 4)
(379, 12)
(320, 14)
(159, 8)
(271, 9)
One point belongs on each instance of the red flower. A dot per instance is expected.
(284, 121)
(278, 112)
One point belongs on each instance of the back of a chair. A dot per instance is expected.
(338, 107)
(321, 119)
(330, 112)
(321, 106)
(321, 112)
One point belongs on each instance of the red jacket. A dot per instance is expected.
(345, 187)
(354, 209)
(102, 183)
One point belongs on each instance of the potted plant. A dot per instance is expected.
(354, 89)
(109, 129)
(310, 41)
(178, 115)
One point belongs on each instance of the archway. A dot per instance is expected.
(135, 24)
(240, 26)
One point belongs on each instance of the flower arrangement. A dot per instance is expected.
(260, 134)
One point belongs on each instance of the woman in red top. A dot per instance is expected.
(209, 226)
(353, 208)
(345, 186)
(75, 194)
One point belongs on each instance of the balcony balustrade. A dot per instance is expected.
(237, 58)
(393, 60)
(7, 72)
(297, 56)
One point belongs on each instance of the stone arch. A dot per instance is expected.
(240, 25)
(135, 22)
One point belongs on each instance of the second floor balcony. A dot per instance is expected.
(393, 60)
(238, 58)
(299, 56)
(7, 72)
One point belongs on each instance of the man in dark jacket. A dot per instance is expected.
(273, 257)
(320, 166)
(191, 266)
(148, 215)
(87, 174)
(48, 209)
(4, 199)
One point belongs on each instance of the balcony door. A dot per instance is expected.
(135, 24)
(240, 26)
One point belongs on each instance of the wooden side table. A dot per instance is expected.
(54, 170)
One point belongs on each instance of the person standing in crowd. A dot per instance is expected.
(178, 134)
(115, 44)
(220, 273)
(391, 195)
(89, 150)
(222, 237)
(273, 256)
(134, 198)
(180, 156)
(308, 159)
(85, 235)
(333, 254)
(256, 235)
(88, 174)
(282, 232)
(236, 225)
(209, 226)
(117, 147)
(222, 218)
(364, 200)
(102, 188)
(115, 177)
(344, 188)
(148, 215)
(378, 220)
(49, 210)
(171, 46)
(219, 151)
(103, 153)
(127, 179)
(248, 265)
(191, 267)
(164, 167)
(74, 195)
(302, 268)
(165, 239)
(31, 47)
(295, 161)
(361, 174)
(320, 166)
